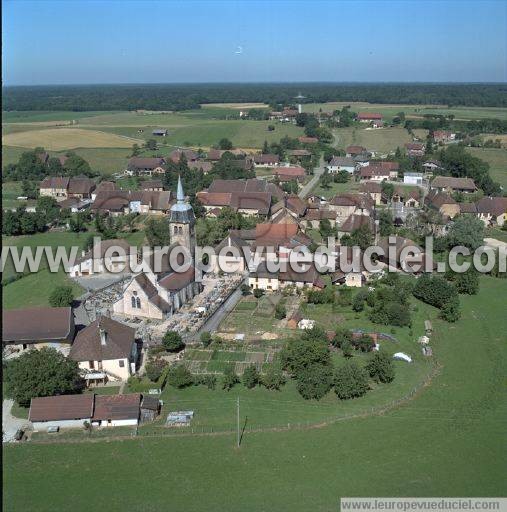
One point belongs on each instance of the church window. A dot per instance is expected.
(133, 300)
(175, 230)
(138, 303)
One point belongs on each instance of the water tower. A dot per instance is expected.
(300, 97)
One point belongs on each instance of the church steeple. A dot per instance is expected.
(182, 221)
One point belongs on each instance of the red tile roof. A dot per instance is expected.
(61, 408)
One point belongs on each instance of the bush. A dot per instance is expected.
(245, 289)
(154, 369)
(250, 377)
(300, 353)
(450, 311)
(179, 377)
(280, 311)
(206, 338)
(258, 293)
(229, 379)
(381, 367)
(350, 381)
(467, 282)
(172, 342)
(210, 381)
(342, 336)
(314, 381)
(273, 379)
(61, 296)
(434, 290)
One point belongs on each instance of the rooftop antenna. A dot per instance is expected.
(300, 97)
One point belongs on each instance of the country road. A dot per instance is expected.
(317, 173)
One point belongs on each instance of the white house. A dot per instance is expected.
(339, 163)
(413, 178)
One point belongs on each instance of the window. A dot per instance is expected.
(175, 230)
(121, 362)
(133, 300)
(138, 303)
(91, 364)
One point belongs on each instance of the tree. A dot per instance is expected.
(245, 290)
(350, 381)
(314, 381)
(154, 369)
(341, 177)
(44, 372)
(251, 377)
(451, 311)
(265, 148)
(342, 336)
(358, 301)
(48, 208)
(380, 367)
(325, 228)
(157, 232)
(467, 231)
(434, 290)
(361, 237)
(179, 377)
(387, 190)
(229, 379)
(386, 224)
(225, 144)
(325, 180)
(206, 338)
(151, 144)
(172, 342)
(273, 378)
(280, 311)
(300, 353)
(135, 150)
(258, 293)
(61, 296)
(466, 282)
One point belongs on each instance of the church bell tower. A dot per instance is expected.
(182, 222)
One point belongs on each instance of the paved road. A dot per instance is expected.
(10, 424)
(317, 173)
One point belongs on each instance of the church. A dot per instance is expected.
(159, 293)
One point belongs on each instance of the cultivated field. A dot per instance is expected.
(238, 106)
(383, 140)
(58, 139)
(442, 443)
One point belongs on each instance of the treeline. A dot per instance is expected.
(475, 127)
(190, 96)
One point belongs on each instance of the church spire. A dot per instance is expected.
(180, 196)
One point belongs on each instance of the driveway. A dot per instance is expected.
(317, 173)
(10, 424)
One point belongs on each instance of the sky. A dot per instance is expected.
(132, 41)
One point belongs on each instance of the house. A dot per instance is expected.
(216, 154)
(413, 178)
(314, 216)
(308, 140)
(345, 205)
(406, 196)
(159, 133)
(74, 204)
(444, 203)
(291, 204)
(81, 188)
(404, 254)
(152, 185)
(346, 274)
(353, 222)
(158, 292)
(229, 256)
(450, 184)
(139, 166)
(431, 166)
(200, 165)
(63, 411)
(415, 149)
(339, 163)
(492, 210)
(190, 155)
(105, 350)
(299, 153)
(55, 186)
(264, 279)
(368, 117)
(373, 189)
(374, 173)
(294, 173)
(266, 160)
(363, 159)
(116, 410)
(467, 208)
(122, 202)
(443, 136)
(103, 186)
(392, 167)
(38, 327)
(105, 256)
(352, 151)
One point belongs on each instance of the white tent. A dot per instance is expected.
(401, 356)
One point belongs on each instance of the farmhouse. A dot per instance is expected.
(492, 210)
(201, 165)
(392, 167)
(374, 173)
(121, 202)
(148, 166)
(443, 136)
(354, 222)
(266, 160)
(103, 186)
(363, 159)
(290, 173)
(291, 204)
(297, 153)
(415, 149)
(264, 279)
(444, 203)
(63, 187)
(406, 196)
(152, 185)
(102, 259)
(190, 155)
(373, 189)
(345, 205)
(404, 254)
(339, 163)
(116, 410)
(314, 216)
(368, 117)
(450, 184)
(38, 327)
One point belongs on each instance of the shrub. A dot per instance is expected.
(208, 380)
(300, 353)
(314, 381)
(350, 381)
(154, 369)
(434, 290)
(229, 379)
(258, 293)
(280, 311)
(381, 367)
(450, 311)
(179, 377)
(245, 289)
(250, 377)
(206, 338)
(342, 336)
(172, 342)
(61, 296)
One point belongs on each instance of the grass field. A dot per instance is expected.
(34, 116)
(390, 110)
(11, 190)
(383, 140)
(335, 188)
(59, 139)
(497, 160)
(446, 442)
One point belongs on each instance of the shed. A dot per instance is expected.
(150, 408)
(179, 418)
(428, 327)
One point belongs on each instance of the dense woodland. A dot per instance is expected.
(190, 96)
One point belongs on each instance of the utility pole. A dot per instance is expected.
(237, 437)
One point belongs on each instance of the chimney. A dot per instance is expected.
(103, 336)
